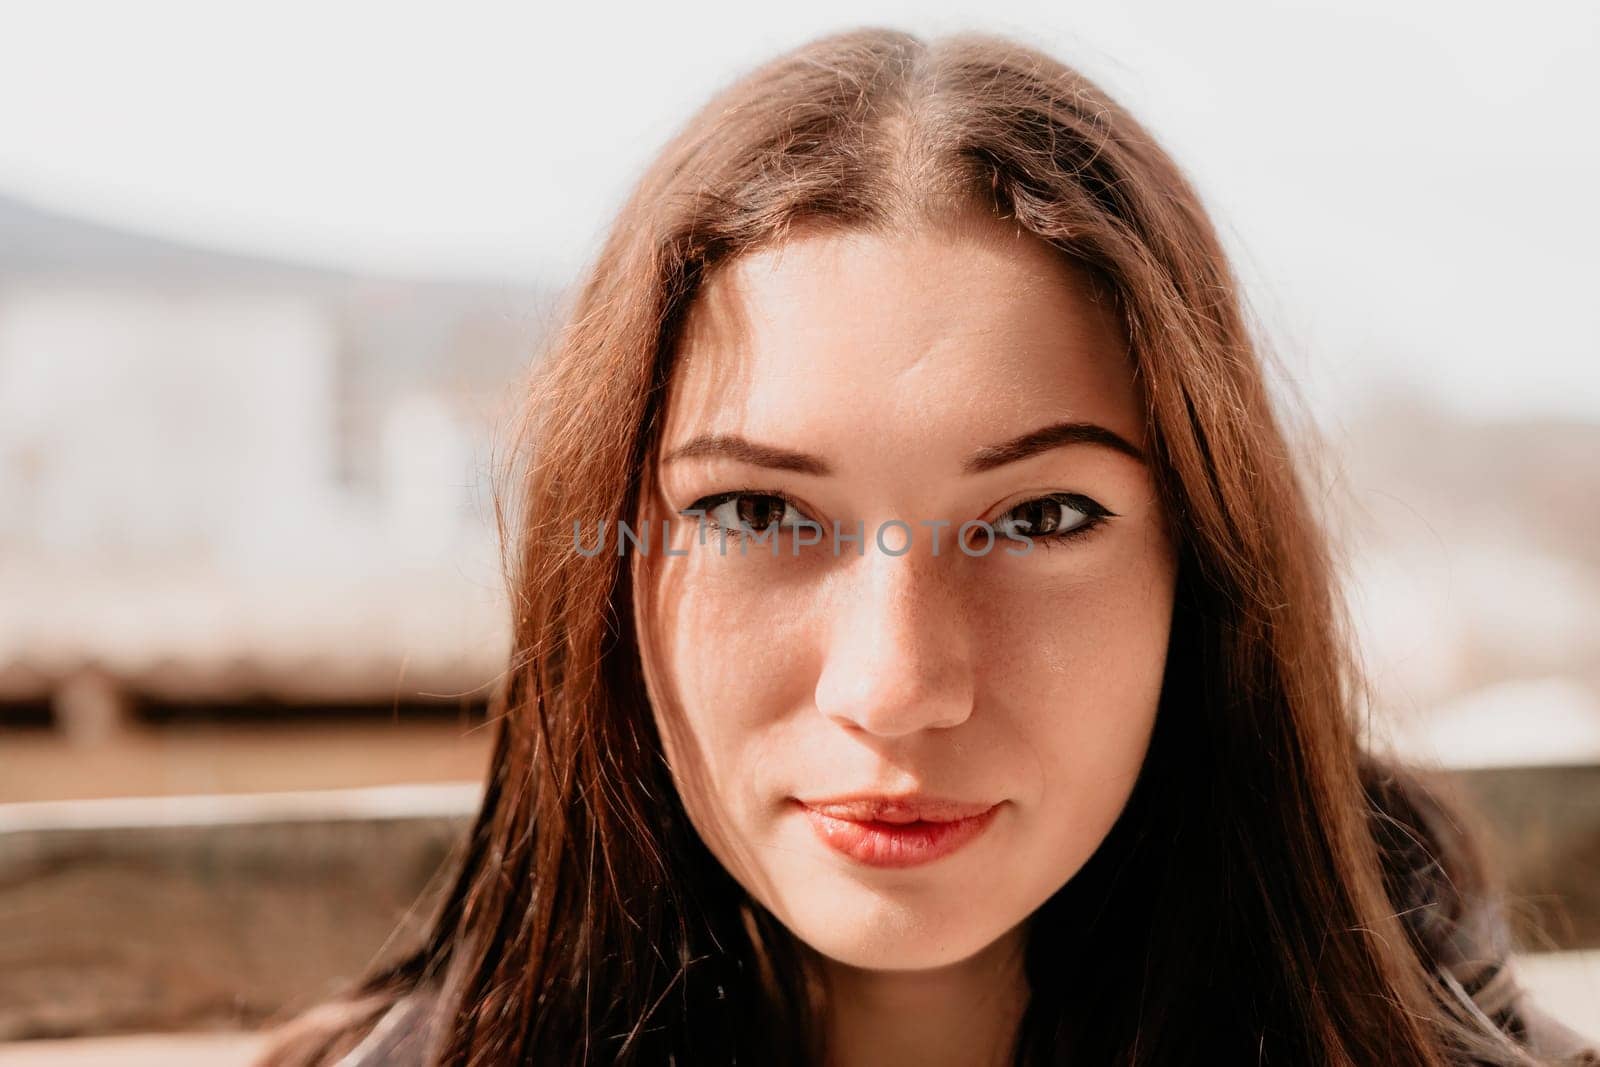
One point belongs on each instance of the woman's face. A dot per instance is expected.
(851, 379)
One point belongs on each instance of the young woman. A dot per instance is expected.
(926, 651)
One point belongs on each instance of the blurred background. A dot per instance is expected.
(271, 276)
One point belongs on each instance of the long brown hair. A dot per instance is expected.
(1270, 894)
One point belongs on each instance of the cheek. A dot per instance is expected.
(1077, 660)
(727, 670)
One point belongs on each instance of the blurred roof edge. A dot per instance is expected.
(38, 241)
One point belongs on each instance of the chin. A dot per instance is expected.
(874, 929)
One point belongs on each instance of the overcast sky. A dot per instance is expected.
(1407, 187)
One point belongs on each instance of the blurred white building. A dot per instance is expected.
(221, 476)
(150, 422)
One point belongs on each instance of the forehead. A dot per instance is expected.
(961, 331)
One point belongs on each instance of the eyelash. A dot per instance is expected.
(706, 504)
(1095, 515)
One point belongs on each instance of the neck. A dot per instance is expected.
(965, 1013)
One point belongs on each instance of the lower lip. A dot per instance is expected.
(884, 844)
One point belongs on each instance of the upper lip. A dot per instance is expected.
(896, 807)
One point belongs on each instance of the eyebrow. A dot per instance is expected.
(1046, 438)
(1058, 435)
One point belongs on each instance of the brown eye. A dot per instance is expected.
(757, 513)
(1051, 517)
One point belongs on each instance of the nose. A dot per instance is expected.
(899, 646)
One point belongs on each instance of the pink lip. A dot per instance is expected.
(907, 831)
